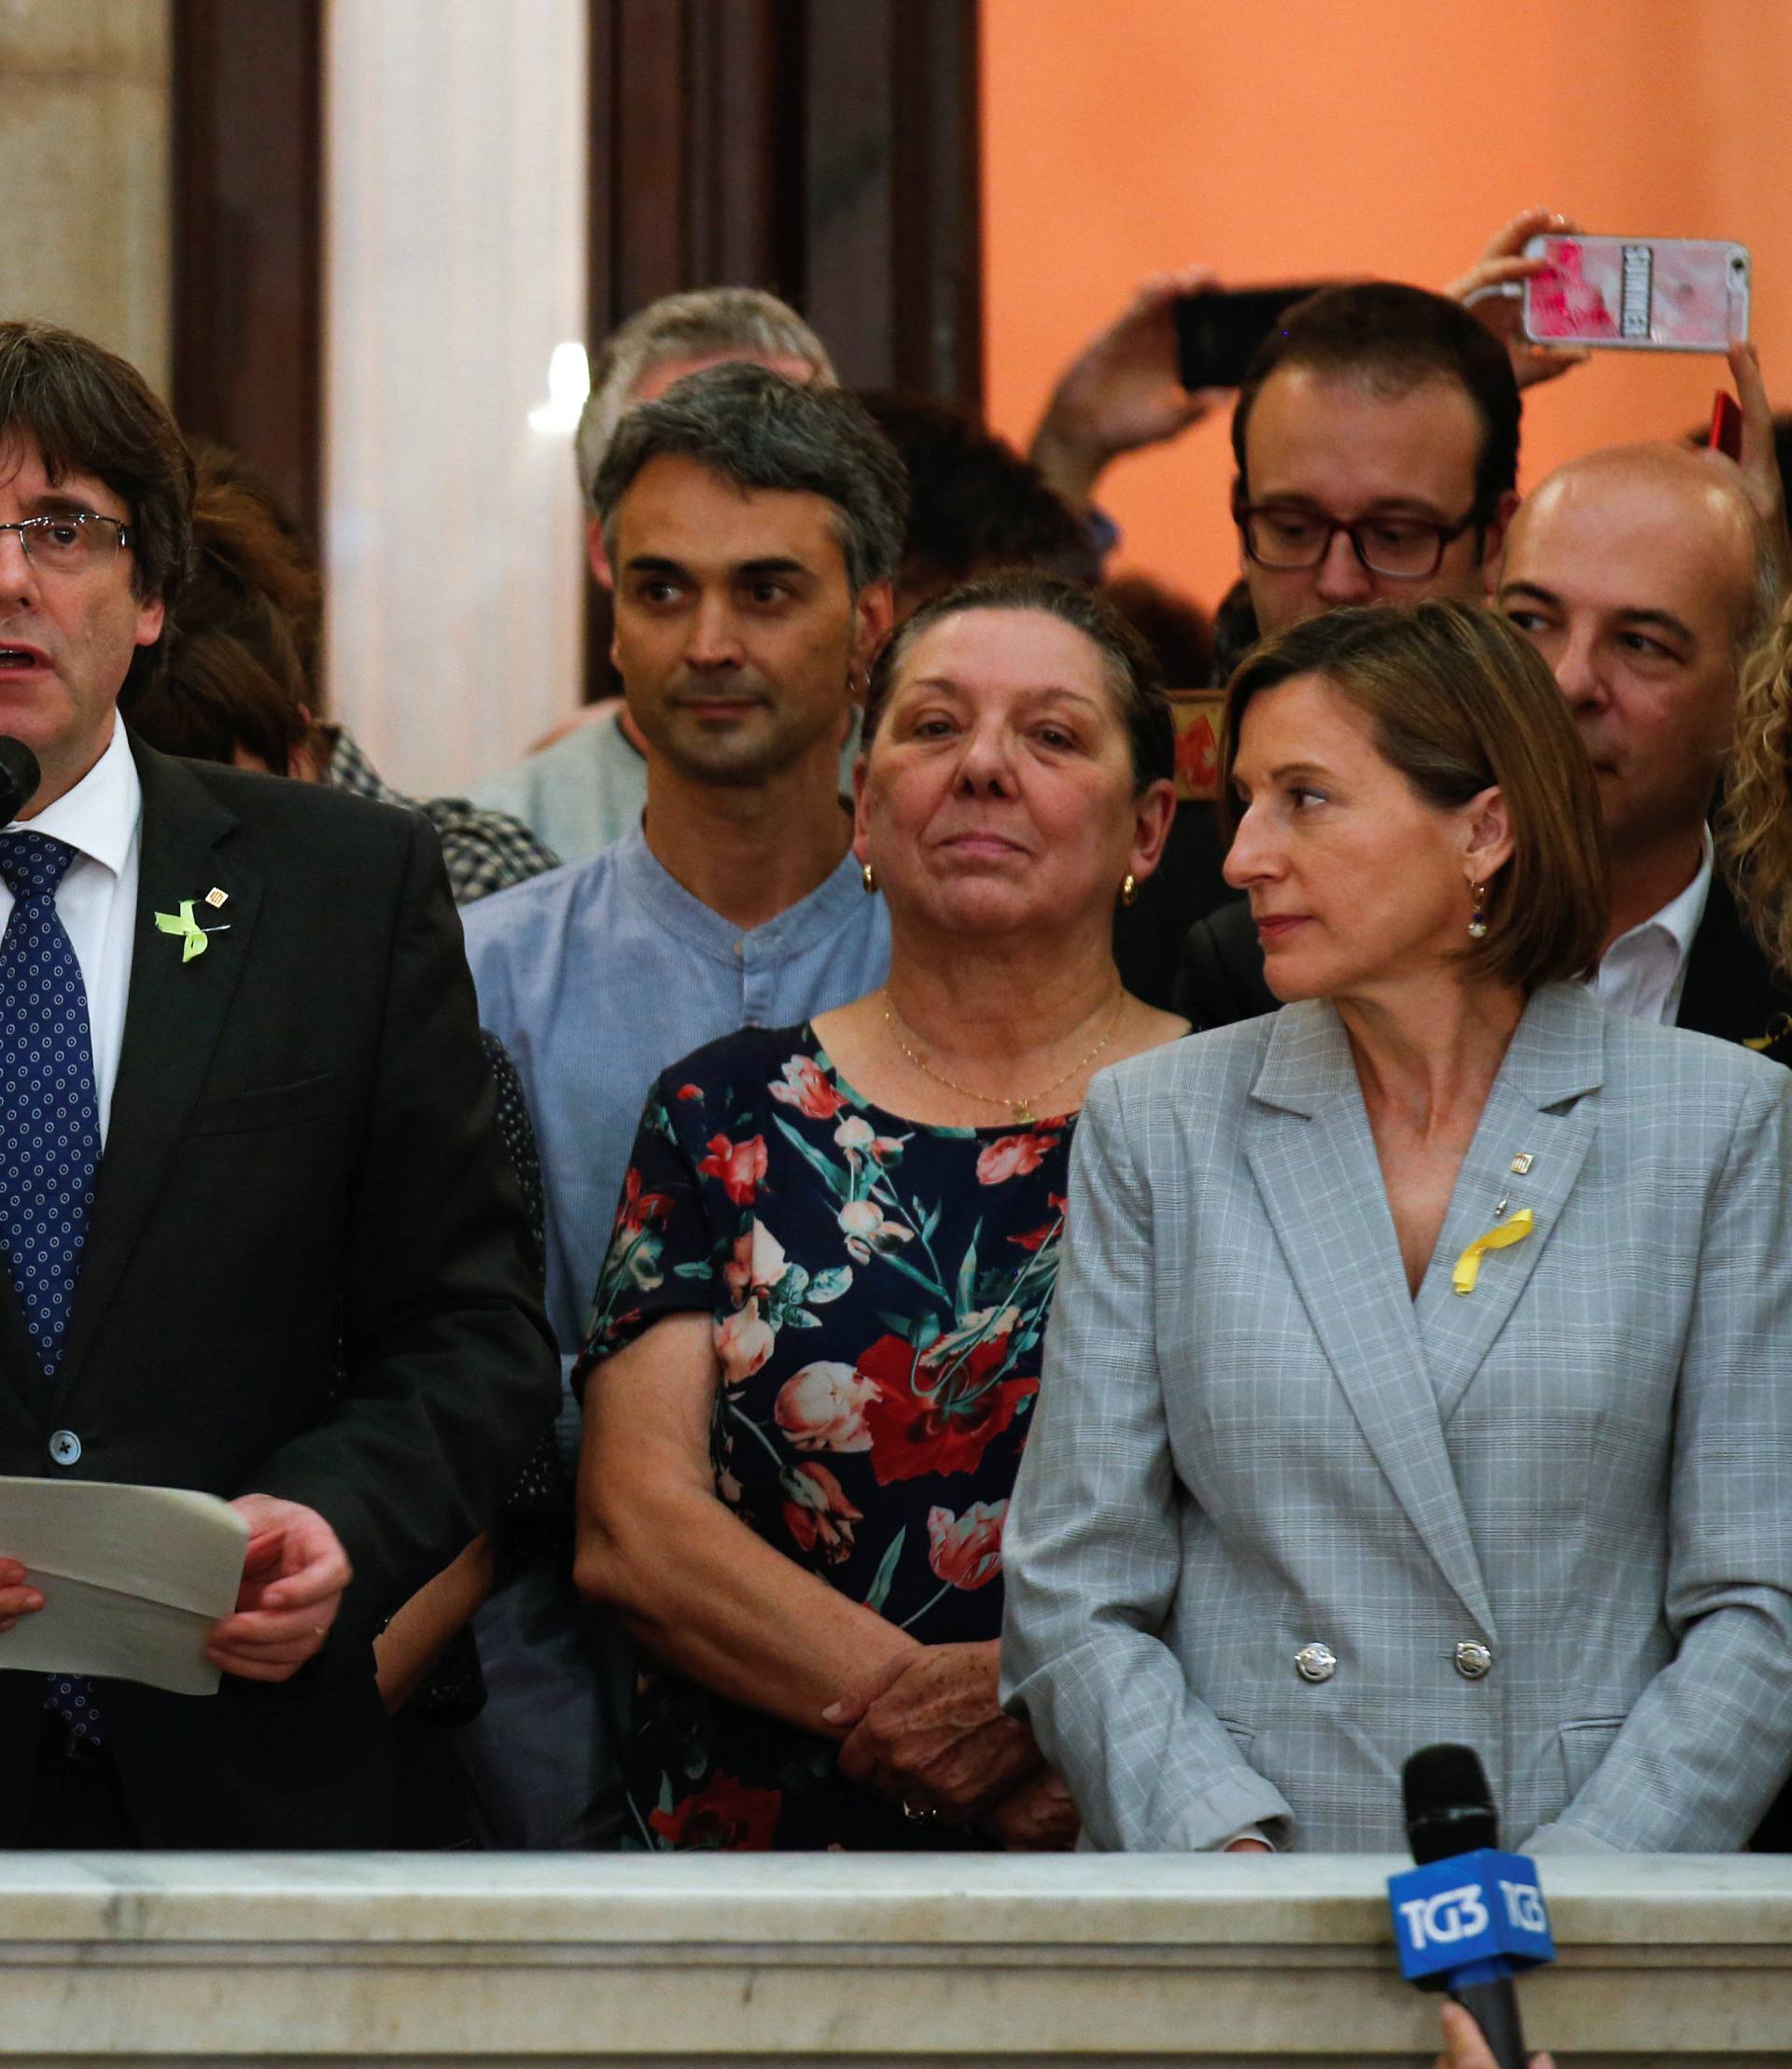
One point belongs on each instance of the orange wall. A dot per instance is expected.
(1283, 139)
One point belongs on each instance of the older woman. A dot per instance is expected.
(1418, 1366)
(816, 1342)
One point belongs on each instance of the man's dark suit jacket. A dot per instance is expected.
(305, 1275)
(1729, 991)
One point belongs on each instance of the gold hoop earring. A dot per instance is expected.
(1478, 918)
(1129, 890)
(868, 877)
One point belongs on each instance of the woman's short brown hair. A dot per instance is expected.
(242, 641)
(1126, 662)
(1458, 702)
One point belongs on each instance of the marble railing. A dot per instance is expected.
(479, 1959)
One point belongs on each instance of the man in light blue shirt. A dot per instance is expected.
(753, 528)
(597, 976)
(590, 783)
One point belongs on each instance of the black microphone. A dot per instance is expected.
(1448, 1806)
(19, 776)
(1468, 1938)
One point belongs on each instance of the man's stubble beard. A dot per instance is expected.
(738, 756)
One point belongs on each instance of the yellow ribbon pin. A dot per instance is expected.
(1468, 1266)
(184, 924)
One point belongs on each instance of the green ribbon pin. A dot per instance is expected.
(184, 924)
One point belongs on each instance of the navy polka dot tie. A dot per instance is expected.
(49, 1128)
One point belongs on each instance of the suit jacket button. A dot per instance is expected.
(1474, 1662)
(65, 1447)
(1315, 1662)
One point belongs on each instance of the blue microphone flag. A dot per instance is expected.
(1480, 1912)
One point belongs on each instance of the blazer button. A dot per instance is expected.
(1474, 1662)
(65, 1447)
(1315, 1662)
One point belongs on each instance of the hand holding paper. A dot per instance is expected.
(293, 1576)
(162, 1585)
(17, 1598)
(129, 1579)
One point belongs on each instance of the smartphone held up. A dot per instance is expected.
(1218, 330)
(1638, 294)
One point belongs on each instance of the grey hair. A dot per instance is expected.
(761, 431)
(706, 321)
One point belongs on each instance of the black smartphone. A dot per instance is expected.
(1219, 330)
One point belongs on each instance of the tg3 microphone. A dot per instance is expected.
(1467, 1916)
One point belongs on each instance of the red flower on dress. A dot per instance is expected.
(727, 1816)
(822, 1407)
(966, 1549)
(737, 1274)
(739, 1165)
(1013, 1156)
(689, 1092)
(937, 1410)
(1037, 1239)
(743, 1343)
(638, 1208)
(756, 1264)
(817, 1511)
(806, 1088)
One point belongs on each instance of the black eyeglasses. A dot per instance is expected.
(71, 541)
(1298, 535)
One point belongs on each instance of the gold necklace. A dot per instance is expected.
(1022, 1109)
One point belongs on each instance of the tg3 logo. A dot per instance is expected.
(1458, 1914)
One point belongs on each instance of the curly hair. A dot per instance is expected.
(1755, 824)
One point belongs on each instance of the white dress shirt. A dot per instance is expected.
(1644, 972)
(102, 819)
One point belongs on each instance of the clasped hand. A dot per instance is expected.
(930, 1734)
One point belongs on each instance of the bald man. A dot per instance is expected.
(1642, 574)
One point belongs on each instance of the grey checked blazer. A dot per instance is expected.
(1250, 1439)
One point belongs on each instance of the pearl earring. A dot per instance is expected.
(1478, 918)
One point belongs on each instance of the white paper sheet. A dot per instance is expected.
(132, 1578)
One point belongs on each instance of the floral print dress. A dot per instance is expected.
(879, 1291)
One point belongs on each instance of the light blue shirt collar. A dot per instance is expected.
(647, 880)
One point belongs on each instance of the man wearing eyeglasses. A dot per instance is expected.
(1377, 442)
(256, 1234)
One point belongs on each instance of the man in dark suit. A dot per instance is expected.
(1377, 441)
(1642, 574)
(258, 1238)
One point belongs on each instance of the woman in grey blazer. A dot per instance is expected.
(1418, 1370)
